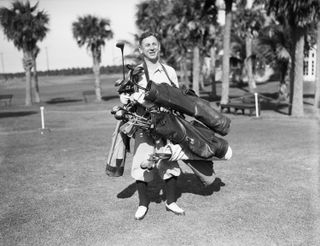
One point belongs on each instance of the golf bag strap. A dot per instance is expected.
(166, 72)
(145, 68)
(146, 72)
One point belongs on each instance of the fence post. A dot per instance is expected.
(43, 129)
(256, 100)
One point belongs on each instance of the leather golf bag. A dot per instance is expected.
(193, 137)
(203, 170)
(188, 103)
(117, 153)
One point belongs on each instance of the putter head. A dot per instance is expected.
(120, 45)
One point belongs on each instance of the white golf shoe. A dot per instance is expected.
(228, 155)
(141, 212)
(173, 207)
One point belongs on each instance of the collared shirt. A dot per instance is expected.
(159, 76)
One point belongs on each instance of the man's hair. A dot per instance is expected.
(146, 35)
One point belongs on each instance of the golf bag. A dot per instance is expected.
(117, 154)
(192, 137)
(188, 103)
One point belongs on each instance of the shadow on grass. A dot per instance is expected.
(16, 114)
(187, 183)
(58, 100)
(308, 95)
(107, 98)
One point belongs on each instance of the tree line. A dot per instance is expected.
(67, 71)
(257, 33)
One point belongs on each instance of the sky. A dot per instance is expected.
(59, 49)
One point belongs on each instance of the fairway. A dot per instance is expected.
(54, 191)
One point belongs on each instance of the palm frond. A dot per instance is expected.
(23, 24)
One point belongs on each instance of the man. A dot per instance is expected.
(149, 48)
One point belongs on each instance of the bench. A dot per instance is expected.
(88, 93)
(6, 99)
(242, 103)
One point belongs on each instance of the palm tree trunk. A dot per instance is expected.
(283, 87)
(35, 82)
(184, 72)
(226, 53)
(201, 73)
(297, 95)
(196, 70)
(213, 72)
(251, 81)
(97, 83)
(27, 65)
(291, 74)
(316, 104)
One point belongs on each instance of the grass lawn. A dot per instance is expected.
(54, 191)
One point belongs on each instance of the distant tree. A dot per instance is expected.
(300, 15)
(25, 26)
(92, 31)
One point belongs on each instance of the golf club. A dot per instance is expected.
(120, 45)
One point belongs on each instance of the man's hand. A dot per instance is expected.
(124, 98)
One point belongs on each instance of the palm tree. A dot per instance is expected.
(317, 82)
(154, 16)
(25, 26)
(214, 43)
(183, 26)
(300, 16)
(192, 24)
(274, 46)
(92, 31)
(35, 53)
(248, 21)
(158, 16)
(226, 52)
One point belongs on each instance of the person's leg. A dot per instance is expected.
(143, 200)
(169, 172)
(170, 186)
(171, 196)
(142, 193)
(143, 147)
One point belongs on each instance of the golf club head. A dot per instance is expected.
(119, 82)
(115, 109)
(120, 45)
(120, 114)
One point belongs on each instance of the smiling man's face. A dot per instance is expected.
(150, 48)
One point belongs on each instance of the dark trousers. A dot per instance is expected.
(170, 189)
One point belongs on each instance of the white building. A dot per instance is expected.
(309, 65)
